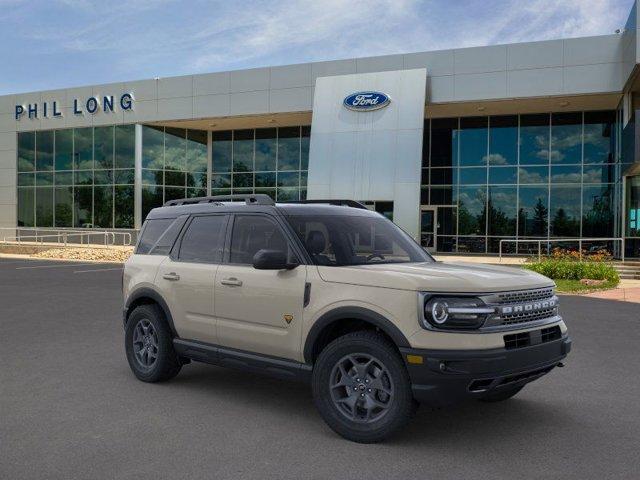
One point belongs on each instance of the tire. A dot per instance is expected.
(367, 409)
(501, 395)
(147, 329)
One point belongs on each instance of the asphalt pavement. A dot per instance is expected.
(70, 407)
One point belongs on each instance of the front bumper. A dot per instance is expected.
(449, 376)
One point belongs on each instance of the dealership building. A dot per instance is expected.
(462, 148)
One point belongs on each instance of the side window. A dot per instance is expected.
(252, 233)
(151, 232)
(203, 241)
(168, 238)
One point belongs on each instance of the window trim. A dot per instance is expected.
(175, 250)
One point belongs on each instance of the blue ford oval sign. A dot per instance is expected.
(366, 101)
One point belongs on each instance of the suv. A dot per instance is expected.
(330, 293)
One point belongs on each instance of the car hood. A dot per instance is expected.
(437, 277)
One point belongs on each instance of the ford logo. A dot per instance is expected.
(366, 101)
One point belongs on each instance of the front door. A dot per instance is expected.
(259, 310)
(428, 222)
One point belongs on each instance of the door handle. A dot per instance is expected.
(173, 276)
(231, 282)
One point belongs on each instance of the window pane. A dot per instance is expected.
(221, 181)
(152, 147)
(288, 194)
(254, 233)
(103, 207)
(174, 193)
(177, 179)
(124, 206)
(64, 178)
(196, 151)
(64, 150)
(473, 141)
(442, 196)
(566, 138)
(26, 151)
(599, 140)
(534, 139)
(83, 148)
(473, 176)
(533, 174)
(304, 147)
(266, 179)
(26, 202)
(125, 151)
(197, 179)
(288, 179)
(243, 180)
(443, 176)
(64, 206)
(533, 213)
(243, 150)
(165, 243)
(266, 149)
(83, 205)
(502, 210)
(175, 150)
(605, 173)
(44, 207)
(204, 239)
(103, 147)
(102, 177)
(444, 147)
(571, 174)
(289, 148)
(597, 211)
(151, 198)
(151, 232)
(153, 177)
(221, 151)
(503, 140)
(472, 211)
(44, 150)
(44, 179)
(565, 211)
(26, 179)
(503, 175)
(124, 176)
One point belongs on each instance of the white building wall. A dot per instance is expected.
(370, 155)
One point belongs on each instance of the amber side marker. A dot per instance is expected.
(415, 359)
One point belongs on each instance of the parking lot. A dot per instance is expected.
(70, 407)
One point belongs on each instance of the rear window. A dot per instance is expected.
(203, 242)
(151, 233)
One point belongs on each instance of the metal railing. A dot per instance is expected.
(549, 241)
(81, 238)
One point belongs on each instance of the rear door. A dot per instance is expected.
(259, 310)
(186, 278)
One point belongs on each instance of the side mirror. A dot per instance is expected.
(272, 260)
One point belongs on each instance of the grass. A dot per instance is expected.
(574, 286)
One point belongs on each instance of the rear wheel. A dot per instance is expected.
(361, 387)
(501, 395)
(149, 345)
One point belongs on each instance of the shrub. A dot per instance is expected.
(574, 270)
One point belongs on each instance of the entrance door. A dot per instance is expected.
(428, 222)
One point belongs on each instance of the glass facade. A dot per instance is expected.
(81, 177)
(521, 177)
(273, 161)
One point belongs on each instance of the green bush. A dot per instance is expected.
(572, 270)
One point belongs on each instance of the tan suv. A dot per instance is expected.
(336, 295)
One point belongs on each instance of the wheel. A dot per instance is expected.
(149, 345)
(361, 387)
(501, 395)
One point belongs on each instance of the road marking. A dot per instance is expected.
(56, 266)
(98, 270)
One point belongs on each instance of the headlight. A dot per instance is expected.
(455, 312)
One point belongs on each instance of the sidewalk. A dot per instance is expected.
(627, 291)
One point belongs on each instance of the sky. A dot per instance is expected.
(48, 44)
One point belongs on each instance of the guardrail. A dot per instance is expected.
(549, 241)
(82, 238)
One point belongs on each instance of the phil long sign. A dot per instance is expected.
(91, 105)
(366, 101)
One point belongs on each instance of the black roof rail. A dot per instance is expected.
(257, 199)
(339, 202)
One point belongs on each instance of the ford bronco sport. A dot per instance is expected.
(338, 296)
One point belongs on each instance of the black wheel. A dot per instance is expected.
(501, 395)
(361, 387)
(149, 345)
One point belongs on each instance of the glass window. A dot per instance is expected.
(243, 150)
(64, 206)
(473, 176)
(632, 207)
(175, 150)
(266, 179)
(44, 150)
(442, 196)
(502, 210)
(26, 151)
(151, 232)
(26, 179)
(533, 212)
(26, 207)
(197, 151)
(64, 150)
(566, 138)
(288, 179)
(599, 140)
(221, 151)
(252, 233)
(165, 243)
(125, 149)
(605, 173)
(123, 206)
(473, 141)
(204, 239)
(266, 143)
(564, 211)
(83, 206)
(243, 180)
(151, 198)
(103, 147)
(103, 207)
(502, 175)
(533, 175)
(597, 211)
(304, 147)
(287, 194)
(472, 210)
(152, 147)
(444, 146)
(534, 139)
(443, 176)
(44, 179)
(83, 148)
(123, 176)
(64, 178)
(503, 140)
(289, 148)
(566, 174)
(44, 207)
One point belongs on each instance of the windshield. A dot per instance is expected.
(344, 240)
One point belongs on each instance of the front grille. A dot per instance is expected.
(551, 333)
(525, 339)
(516, 303)
(525, 295)
(517, 340)
(523, 317)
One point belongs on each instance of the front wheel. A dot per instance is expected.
(361, 387)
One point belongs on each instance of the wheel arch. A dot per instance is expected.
(148, 296)
(330, 322)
